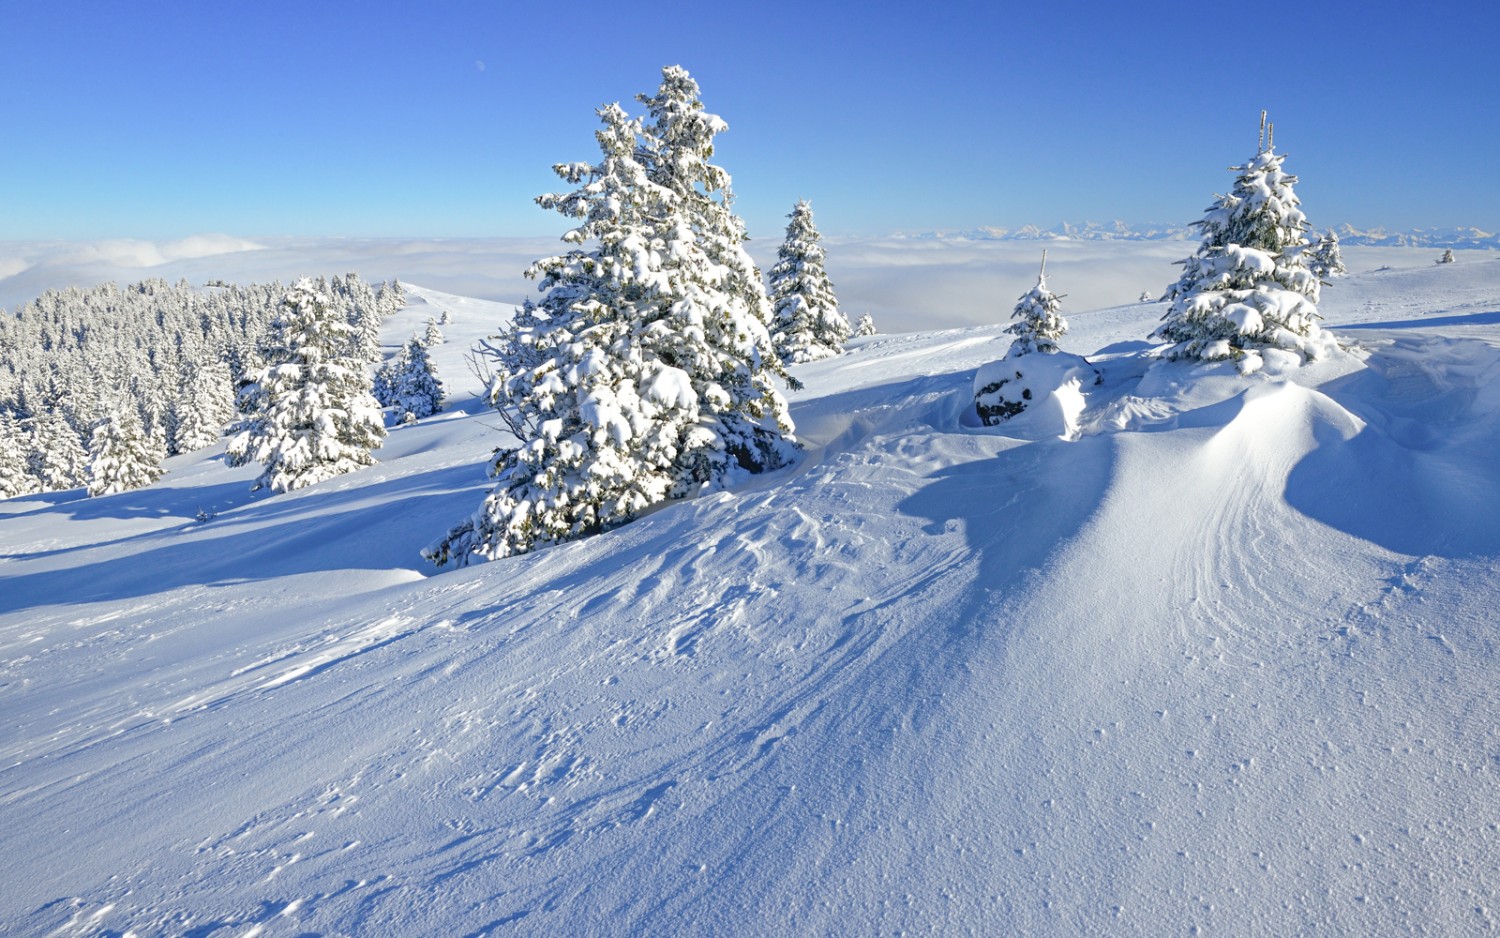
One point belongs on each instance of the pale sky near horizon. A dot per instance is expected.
(164, 119)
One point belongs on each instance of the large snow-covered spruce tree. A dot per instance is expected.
(310, 415)
(644, 373)
(122, 456)
(1248, 287)
(808, 325)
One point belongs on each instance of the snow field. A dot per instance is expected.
(1224, 662)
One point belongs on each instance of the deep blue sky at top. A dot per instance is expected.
(162, 119)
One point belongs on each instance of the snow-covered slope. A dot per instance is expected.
(1225, 662)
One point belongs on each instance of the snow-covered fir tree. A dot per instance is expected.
(1038, 314)
(644, 373)
(14, 477)
(311, 415)
(412, 383)
(57, 459)
(865, 326)
(1325, 259)
(365, 309)
(807, 322)
(1034, 371)
(1248, 287)
(204, 405)
(433, 335)
(1447, 257)
(122, 456)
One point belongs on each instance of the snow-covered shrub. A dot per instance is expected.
(644, 373)
(310, 413)
(1447, 257)
(121, 456)
(1248, 286)
(808, 325)
(865, 326)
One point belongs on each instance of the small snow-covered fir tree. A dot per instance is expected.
(121, 455)
(644, 372)
(433, 335)
(14, 479)
(865, 326)
(1447, 257)
(311, 416)
(1326, 259)
(1039, 323)
(1034, 372)
(415, 390)
(807, 323)
(1248, 287)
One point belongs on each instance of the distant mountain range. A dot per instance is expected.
(1121, 231)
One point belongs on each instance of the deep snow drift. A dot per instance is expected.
(1226, 661)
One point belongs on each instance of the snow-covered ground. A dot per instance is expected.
(1226, 662)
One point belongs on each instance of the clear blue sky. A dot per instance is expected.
(162, 119)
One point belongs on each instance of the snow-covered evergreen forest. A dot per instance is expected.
(673, 598)
(168, 359)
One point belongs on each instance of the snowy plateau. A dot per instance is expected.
(1224, 661)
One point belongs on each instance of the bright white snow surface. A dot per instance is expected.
(1225, 662)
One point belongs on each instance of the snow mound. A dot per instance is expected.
(1033, 395)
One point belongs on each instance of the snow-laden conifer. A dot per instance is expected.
(865, 326)
(57, 459)
(644, 372)
(311, 416)
(204, 405)
(121, 455)
(414, 388)
(433, 335)
(1248, 286)
(807, 323)
(1325, 259)
(1034, 372)
(14, 477)
(1038, 314)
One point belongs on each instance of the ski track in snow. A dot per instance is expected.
(1202, 669)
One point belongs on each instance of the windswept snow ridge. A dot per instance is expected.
(1225, 661)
